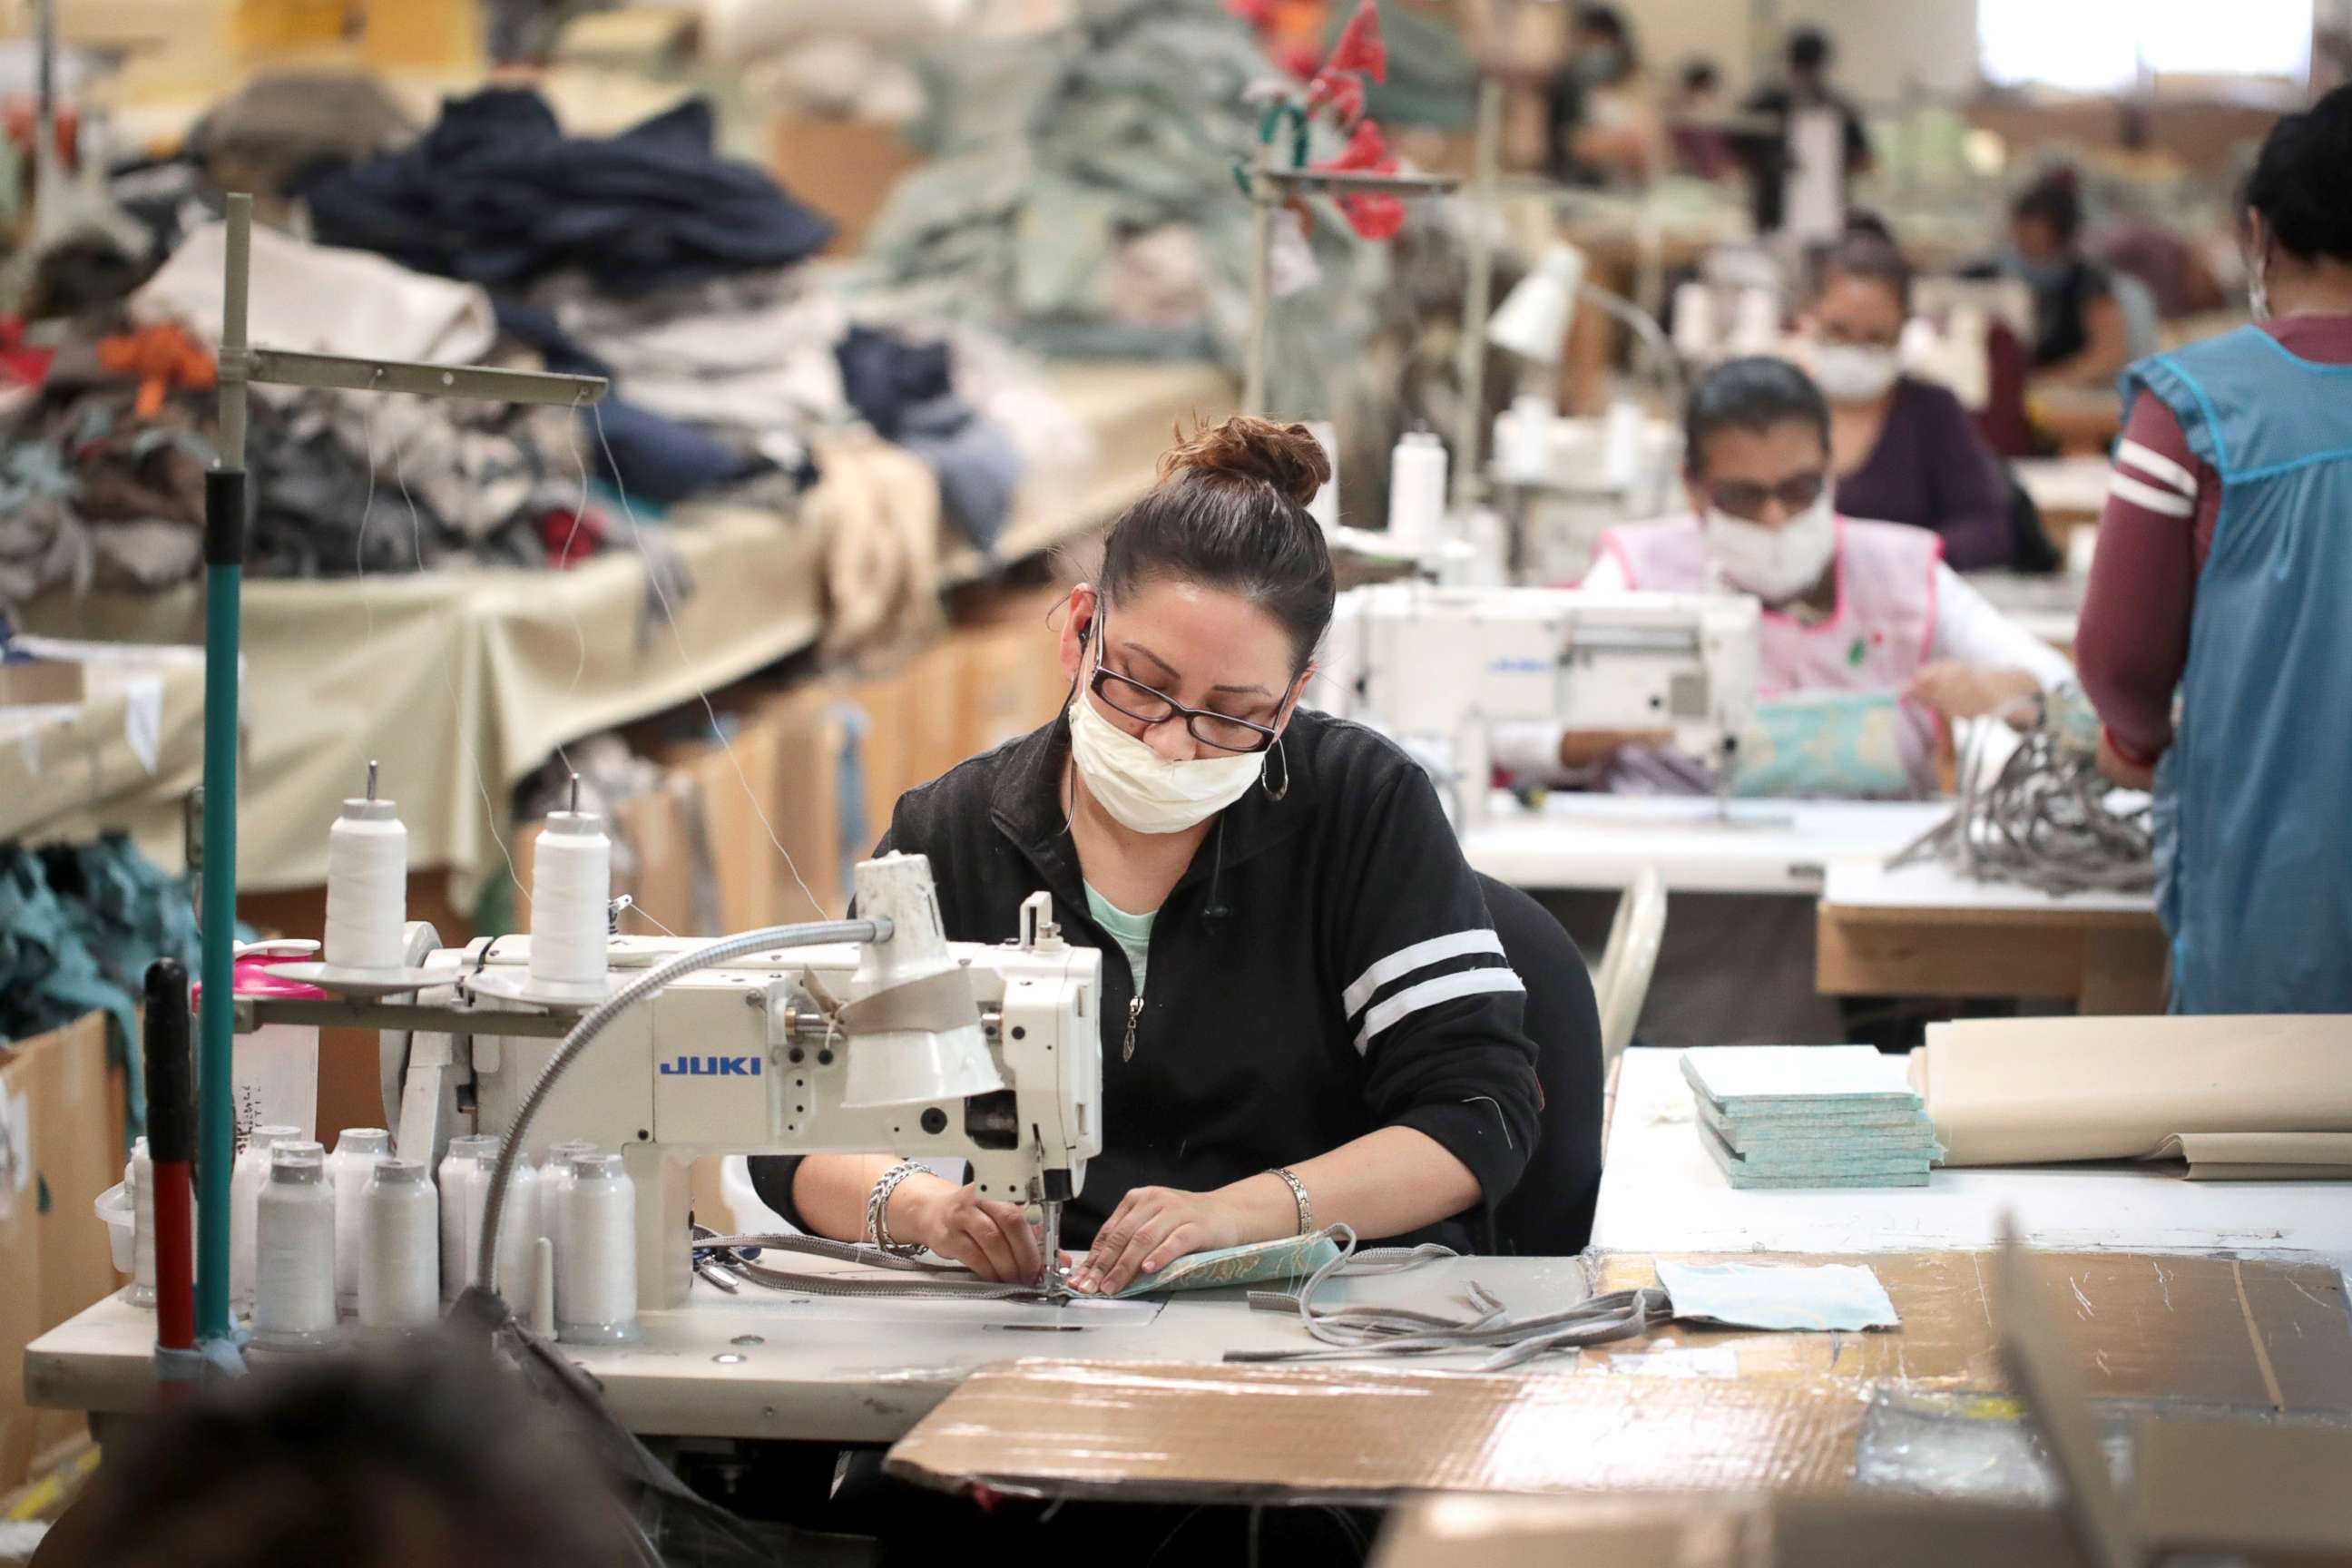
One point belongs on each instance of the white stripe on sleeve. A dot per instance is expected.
(2157, 466)
(2164, 504)
(1420, 955)
(1429, 994)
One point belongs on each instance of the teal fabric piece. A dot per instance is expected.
(79, 926)
(1132, 932)
(1292, 1257)
(1842, 744)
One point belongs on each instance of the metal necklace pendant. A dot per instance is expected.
(1134, 1015)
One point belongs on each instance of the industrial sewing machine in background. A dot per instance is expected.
(909, 1045)
(1437, 667)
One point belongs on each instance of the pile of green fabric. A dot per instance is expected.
(79, 925)
(1054, 154)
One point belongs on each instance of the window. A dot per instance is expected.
(2105, 46)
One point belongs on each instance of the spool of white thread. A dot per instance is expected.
(247, 1178)
(1417, 491)
(139, 1175)
(367, 886)
(294, 1279)
(519, 1231)
(457, 1228)
(571, 890)
(357, 1150)
(399, 1255)
(554, 1182)
(596, 1273)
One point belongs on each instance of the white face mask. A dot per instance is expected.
(1776, 564)
(1855, 372)
(1143, 790)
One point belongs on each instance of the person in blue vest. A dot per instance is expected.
(2224, 574)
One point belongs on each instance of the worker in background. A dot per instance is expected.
(2223, 572)
(1849, 604)
(1308, 1016)
(1801, 175)
(1866, 611)
(2080, 335)
(1697, 122)
(1904, 449)
(1602, 116)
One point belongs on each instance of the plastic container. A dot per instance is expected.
(113, 1208)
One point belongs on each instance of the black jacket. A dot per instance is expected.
(1324, 967)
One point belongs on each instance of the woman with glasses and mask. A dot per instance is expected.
(1849, 605)
(1904, 449)
(1307, 1017)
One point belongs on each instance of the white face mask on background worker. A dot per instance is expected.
(1765, 503)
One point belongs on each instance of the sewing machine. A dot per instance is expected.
(912, 1045)
(1441, 664)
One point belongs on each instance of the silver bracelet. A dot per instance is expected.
(1298, 1195)
(877, 1210)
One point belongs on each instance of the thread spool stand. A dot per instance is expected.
(367, 904)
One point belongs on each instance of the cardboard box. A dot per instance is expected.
(1364, 1434)
(843, 168)
(41, 681)
(2214, 1330)
(60, 1146)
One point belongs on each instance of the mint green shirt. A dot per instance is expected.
(1132, 932)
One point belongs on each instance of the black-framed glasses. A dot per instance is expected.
(1147, 706)
(1746, 498)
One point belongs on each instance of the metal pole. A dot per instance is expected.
(1469, 477)
(1263, 196)
(223, 572)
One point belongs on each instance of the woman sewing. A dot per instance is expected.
(1904, 449)
(1307, 1017)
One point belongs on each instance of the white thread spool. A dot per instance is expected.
(1417, 491)
(357, 1150)
(1694, 324)
(367, 886)
(571, 891)
(554, 1182)
(519, 1231)
(457, 1184)
(596, 1273)
(139, 1175)
(247, 1179)
(294, 1279)
(1523, 439)
(399, 1255)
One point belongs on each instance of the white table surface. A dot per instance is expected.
(1602, 841)
(1661, 1192)
(834, 1370)
(1932, 885)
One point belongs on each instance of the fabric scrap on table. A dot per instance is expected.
(495, 192)
(742, 355)
(1286, 1257)
(283, 122)
(1770, 1296)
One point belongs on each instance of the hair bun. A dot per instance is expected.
(1287, 456)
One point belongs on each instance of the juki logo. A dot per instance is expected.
(712, 1067)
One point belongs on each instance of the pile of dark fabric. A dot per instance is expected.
(648, 258)
(79, 925)
(497, 193)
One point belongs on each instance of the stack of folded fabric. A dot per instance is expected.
(1811, 1116)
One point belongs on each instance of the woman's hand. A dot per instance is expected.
(1962, 691)
(1154, 1226)
(992, 1239)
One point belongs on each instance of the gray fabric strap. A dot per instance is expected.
(918, 1281)
(1351, 1333)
